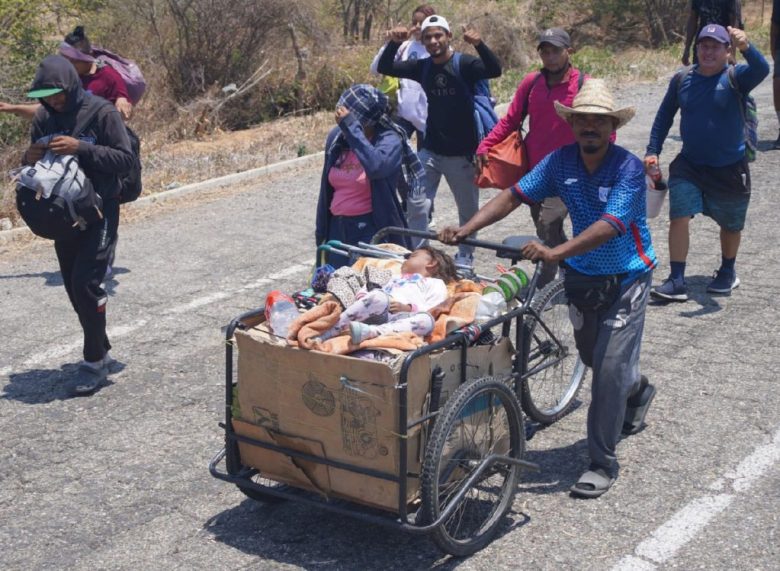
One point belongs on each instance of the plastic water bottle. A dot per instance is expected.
(490, 306)
(655, 175)
(280, 312)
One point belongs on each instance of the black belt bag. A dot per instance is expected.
(592, 293)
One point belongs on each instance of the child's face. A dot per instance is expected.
(418, 262)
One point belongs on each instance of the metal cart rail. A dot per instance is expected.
(450, 478)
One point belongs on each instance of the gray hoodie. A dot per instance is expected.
(104, 147)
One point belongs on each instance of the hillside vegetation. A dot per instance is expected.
(217, 66)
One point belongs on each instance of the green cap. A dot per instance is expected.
(44, 92)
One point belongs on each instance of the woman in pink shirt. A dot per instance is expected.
(364, 156)
(558, 80)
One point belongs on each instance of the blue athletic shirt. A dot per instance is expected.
(614, 193)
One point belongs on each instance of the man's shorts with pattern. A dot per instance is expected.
(728, 210)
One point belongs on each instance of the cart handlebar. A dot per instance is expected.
(505, 250)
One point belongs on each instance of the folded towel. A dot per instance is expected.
(314, 322)
(341, 345)
(464, 286)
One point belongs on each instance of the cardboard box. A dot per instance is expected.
(341, 408)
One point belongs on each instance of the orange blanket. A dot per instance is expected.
(453, 313)
(342, 345)
(313, 323)
(310, 325)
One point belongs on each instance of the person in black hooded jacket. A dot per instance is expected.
(103, 150)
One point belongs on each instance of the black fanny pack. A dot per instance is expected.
(592, 293)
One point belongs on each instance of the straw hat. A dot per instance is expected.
(594, 98)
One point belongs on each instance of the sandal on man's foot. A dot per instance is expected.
(637, 407)
(592, 484)
(88, 380)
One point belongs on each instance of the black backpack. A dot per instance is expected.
(72, 203)
(130, 183)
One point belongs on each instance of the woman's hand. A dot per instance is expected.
(341, 113)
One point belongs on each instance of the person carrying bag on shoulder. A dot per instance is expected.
(103, 150)
(504, 156)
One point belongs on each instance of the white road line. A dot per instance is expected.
(631, 563)
(63, 350)
(211, 298)
(687, 523)
(682, 527)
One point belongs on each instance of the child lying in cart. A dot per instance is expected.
(402, 304)
(397, 312)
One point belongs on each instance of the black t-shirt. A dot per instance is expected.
(450, 129)
(722, 12)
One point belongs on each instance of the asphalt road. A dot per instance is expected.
(119, 480)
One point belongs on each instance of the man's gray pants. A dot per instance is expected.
(609, 342)
(459, 173)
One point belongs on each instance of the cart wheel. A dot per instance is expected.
(550, 394)
(234, 467)
(481, 418)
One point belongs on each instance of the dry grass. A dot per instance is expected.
(173, 164)
(173, 156)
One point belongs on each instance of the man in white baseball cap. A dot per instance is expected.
(449, 79)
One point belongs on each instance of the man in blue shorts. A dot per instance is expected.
(608, 263)
(710, 176)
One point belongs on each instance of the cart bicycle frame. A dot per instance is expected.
(403, 519)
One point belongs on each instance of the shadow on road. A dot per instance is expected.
(111, 283)
(51, 278)
(559, 469)
(54, 279)
(314, 539)
(697, 294)
(41, 386)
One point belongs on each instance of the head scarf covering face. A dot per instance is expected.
(366, 103)
(370, 107)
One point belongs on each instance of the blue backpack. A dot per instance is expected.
(485, 117)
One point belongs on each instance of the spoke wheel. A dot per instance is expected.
(481, 418)
(551, 393)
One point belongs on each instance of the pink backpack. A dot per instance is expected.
(130, 72)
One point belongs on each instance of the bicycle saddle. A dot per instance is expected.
(516, 243)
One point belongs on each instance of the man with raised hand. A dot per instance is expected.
(450, 131)
(710, 176)
(705, 12)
